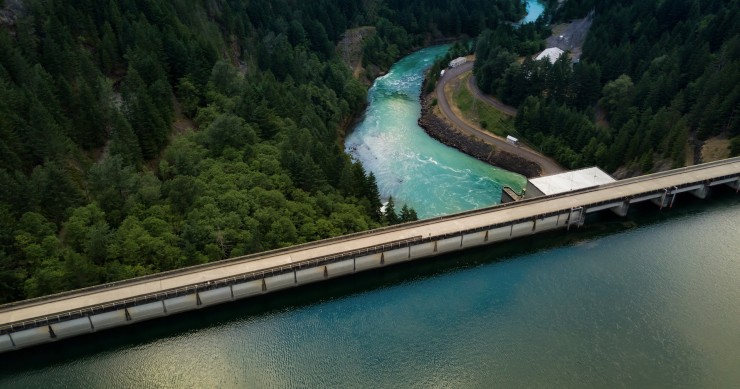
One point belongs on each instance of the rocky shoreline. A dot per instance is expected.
(443, 132)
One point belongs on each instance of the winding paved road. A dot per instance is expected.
(548, 165)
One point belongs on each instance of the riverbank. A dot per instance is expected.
(438, 129)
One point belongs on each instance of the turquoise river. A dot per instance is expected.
(651, 300)
(410, 166)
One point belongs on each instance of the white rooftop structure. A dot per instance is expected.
(552, 54)
(458, 61)
(573, 180)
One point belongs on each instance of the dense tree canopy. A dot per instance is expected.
(658, 73)
(96, 186)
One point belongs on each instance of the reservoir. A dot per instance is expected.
(646, 301)
(643, 301)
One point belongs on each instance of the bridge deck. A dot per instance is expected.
(448, 225)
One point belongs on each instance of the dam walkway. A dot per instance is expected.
(35, 321)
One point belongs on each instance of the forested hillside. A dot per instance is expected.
(100, 178)
(664, 75)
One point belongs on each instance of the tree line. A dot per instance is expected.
(94, 184)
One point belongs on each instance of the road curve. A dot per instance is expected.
(548, 165)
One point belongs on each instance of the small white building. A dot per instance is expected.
(552, 54)
(567, 182)
(458, 61)
(514, 141)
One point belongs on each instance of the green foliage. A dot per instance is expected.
(390, 212)
(617, 97)
(658, 74)
(735, 146)
(95, 185)
(392, 217)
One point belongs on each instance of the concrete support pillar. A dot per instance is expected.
(702, 192)
(735, 185)
(666, 200)
(622, 209)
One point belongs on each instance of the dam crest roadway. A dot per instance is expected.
(36, 321)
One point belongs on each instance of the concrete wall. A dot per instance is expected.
(281, 281)
(181, 303)
(644, 198)
(105, 320)
(735, 185)
(687, 188)
(313, 274)
(31, 337)
(546, 224)
(622, 209)
(146, 311)
(499, 234)
(449, 244)
(729, 181)
(604, 206)
(214, 296)
(522, 229)
(5, 343)
(396, 255)
(367, 262)
(70, 328)
(702, 192)
(422, 250)
(474, 239)
(246, 289)
(341, 268)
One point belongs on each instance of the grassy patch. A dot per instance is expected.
(480, 113)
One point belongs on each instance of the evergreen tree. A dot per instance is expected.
(391, 217)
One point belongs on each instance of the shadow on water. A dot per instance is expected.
(142, 334)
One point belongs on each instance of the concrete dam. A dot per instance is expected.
(46, 319)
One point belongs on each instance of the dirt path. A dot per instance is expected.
(547, 165)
